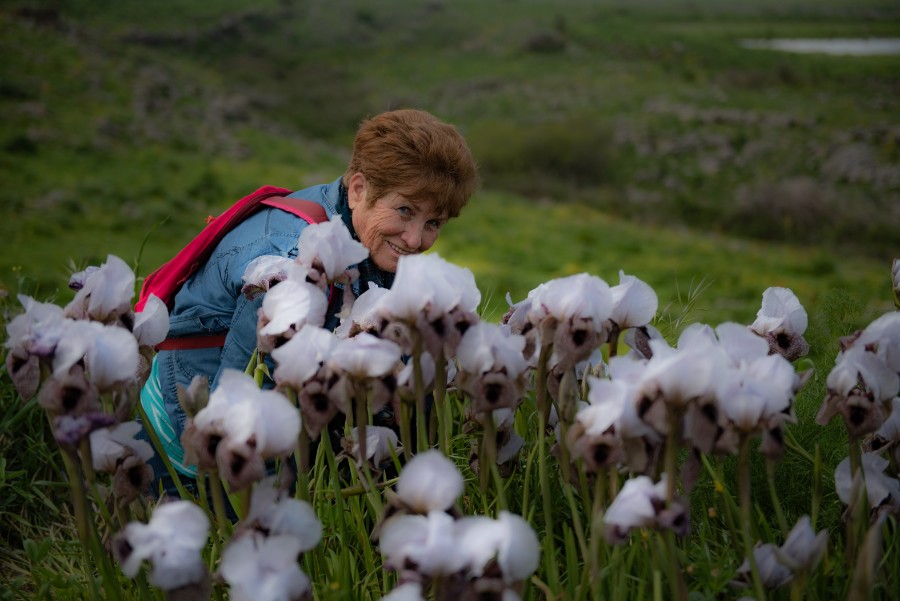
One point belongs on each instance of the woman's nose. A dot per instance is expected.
(412, 236)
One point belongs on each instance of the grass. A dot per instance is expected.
(107, 141)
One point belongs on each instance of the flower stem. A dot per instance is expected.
(540, 393)
(549, 538)
(405, 430)
(160, 451)
(421, 424)
(218, 497)
(745, 509)
(776, 503)
(441, 406)
(671, 452)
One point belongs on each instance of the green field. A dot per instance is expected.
(611, 135)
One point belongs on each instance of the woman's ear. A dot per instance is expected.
(356, 190)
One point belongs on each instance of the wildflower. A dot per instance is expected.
(240, 427)
(381, 445)
(409, 591)
(365, 359)
(888, 434)
(110, 353)
(429, 482)
(151, 326)
(593, 437)
(105, 293)
(423, 544)
(365, 314)
(433, 302)
(858, 387)
(286, 308)
(772, 573)
(325, 250)
(262, 273)
(634, 303)
(492, 369)
(570, 313)
(881, 489)
(264, 568)
(111, 445)
(32, 336)
(782, 320)
(508, 443)
(70, 393)
(273, 513)
(509, 540)
(70, 429)
(803, 549)
(300, 358)
(636, 506)
(172, 541)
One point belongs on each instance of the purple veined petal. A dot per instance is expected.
(409, 591)
(857, 364)
(485, 347)
(266, 417)
(365, 312)
(380, 442)
(634, 302)
(430, 481)
(290, 305)
(264, 272)
(427, 542)
(151, 326)
(576, 296)
(112, 358)
(106, 292)
(428, 283)
(257, 567)
(172, 540)
(740, 343)
(883, 337)
(632, 508)
(38, 330)
(890, 429)
(479, 539)
(298, 359)
(365, 356)
(519, 553)
(109, 445)
(803, 548)
(780, 310)
(607, 404)
(879, 486)
(330, 244)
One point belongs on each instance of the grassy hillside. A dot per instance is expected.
(129, 122)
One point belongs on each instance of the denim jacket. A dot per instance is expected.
(211, 300)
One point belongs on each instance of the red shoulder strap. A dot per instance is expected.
(168, 279)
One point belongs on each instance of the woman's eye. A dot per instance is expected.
(404, 211)
(434, 223)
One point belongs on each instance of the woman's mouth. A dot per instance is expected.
(399, 250)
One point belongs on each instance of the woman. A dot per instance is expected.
(409, 174)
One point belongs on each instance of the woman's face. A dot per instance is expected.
(394, 225)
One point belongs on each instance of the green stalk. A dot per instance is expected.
(540, 383)
(745, 509)
(160, 450)
(549, 543)
(671, 452)
(598, 509)
(405, 430)
(421, 425)
(218, 495)
(441, 407)
(301, 458)
(773, 493)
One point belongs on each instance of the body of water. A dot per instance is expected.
(835, 46)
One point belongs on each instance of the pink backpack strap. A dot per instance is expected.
(168, 279)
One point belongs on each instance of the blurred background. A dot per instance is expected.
(687, 143)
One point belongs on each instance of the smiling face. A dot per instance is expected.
(393, 225)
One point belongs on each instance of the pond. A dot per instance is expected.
(835, 46)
